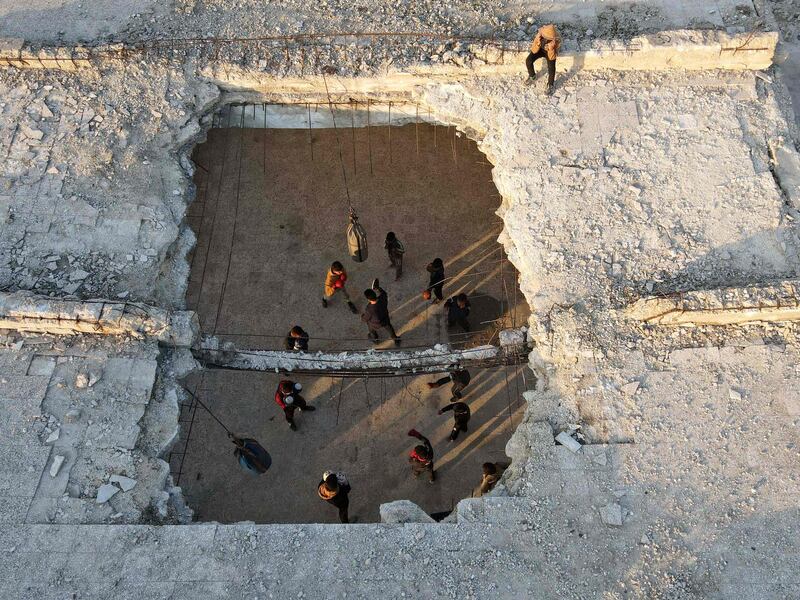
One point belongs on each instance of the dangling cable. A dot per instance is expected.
(338, 142)
(208, 410)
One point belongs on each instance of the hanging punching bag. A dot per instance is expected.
(356, 239)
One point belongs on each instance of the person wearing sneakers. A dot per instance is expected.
(288, 397)
(421, 457)
(335, 490)
(335, 282)
(545, 45)
(376, 313)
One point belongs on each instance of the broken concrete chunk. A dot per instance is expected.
(94, 377)
(53, 436)
(72, 415)
(126, 483)
(611, 514)
(403, 511)
(565, 440)
(105, 492)
(56, 466)
(629, 389)
(33, 134)
(78, 275)
(82, 381)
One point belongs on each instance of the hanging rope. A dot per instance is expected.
(338, 142)
(262, 463)
(208, 410)
(356, 236)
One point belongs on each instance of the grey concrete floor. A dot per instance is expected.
(270, 219)
(360, 427)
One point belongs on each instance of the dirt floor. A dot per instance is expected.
(271, 216)
(359, 427)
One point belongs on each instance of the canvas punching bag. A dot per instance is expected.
(356, 239)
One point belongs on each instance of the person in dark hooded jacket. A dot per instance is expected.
(460, 378)
(376, 313)
(461, 415)
(458, 311)
(297, 340)
(436, 279)
(395, 250)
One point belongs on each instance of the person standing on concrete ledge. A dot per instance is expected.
(297, 340)
(335, 282)
(461, 415)
(421, 457)
(288, 397)
(458, 311)
(460, 378)
(376, 314)
(335, 489)
(395, 250)
(545, 45)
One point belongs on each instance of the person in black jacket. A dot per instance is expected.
(458, 311)
(395, 250)
(436, 280)
(335, 490)
(460, 378)
(297, 339)
(461, 415)
(376, 313)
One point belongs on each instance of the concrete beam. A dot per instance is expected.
(724, 306)
(25, 311)
(666, 50)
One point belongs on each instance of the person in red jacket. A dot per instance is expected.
(288, 397)
(421, 457)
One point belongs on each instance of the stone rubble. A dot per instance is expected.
(617, 187)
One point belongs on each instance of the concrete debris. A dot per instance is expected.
(126, 483)
(105, 492)
(599, 212)
(58, 460)
(403, 511)
(82, 380)
(565, 440)
(611, 514)
(629, 389)
(73, 415)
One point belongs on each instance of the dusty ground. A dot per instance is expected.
(282, 208)
(359, 427)
(270, 219)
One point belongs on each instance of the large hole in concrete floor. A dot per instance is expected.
(270, 216)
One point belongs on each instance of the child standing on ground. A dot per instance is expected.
(335, 282)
